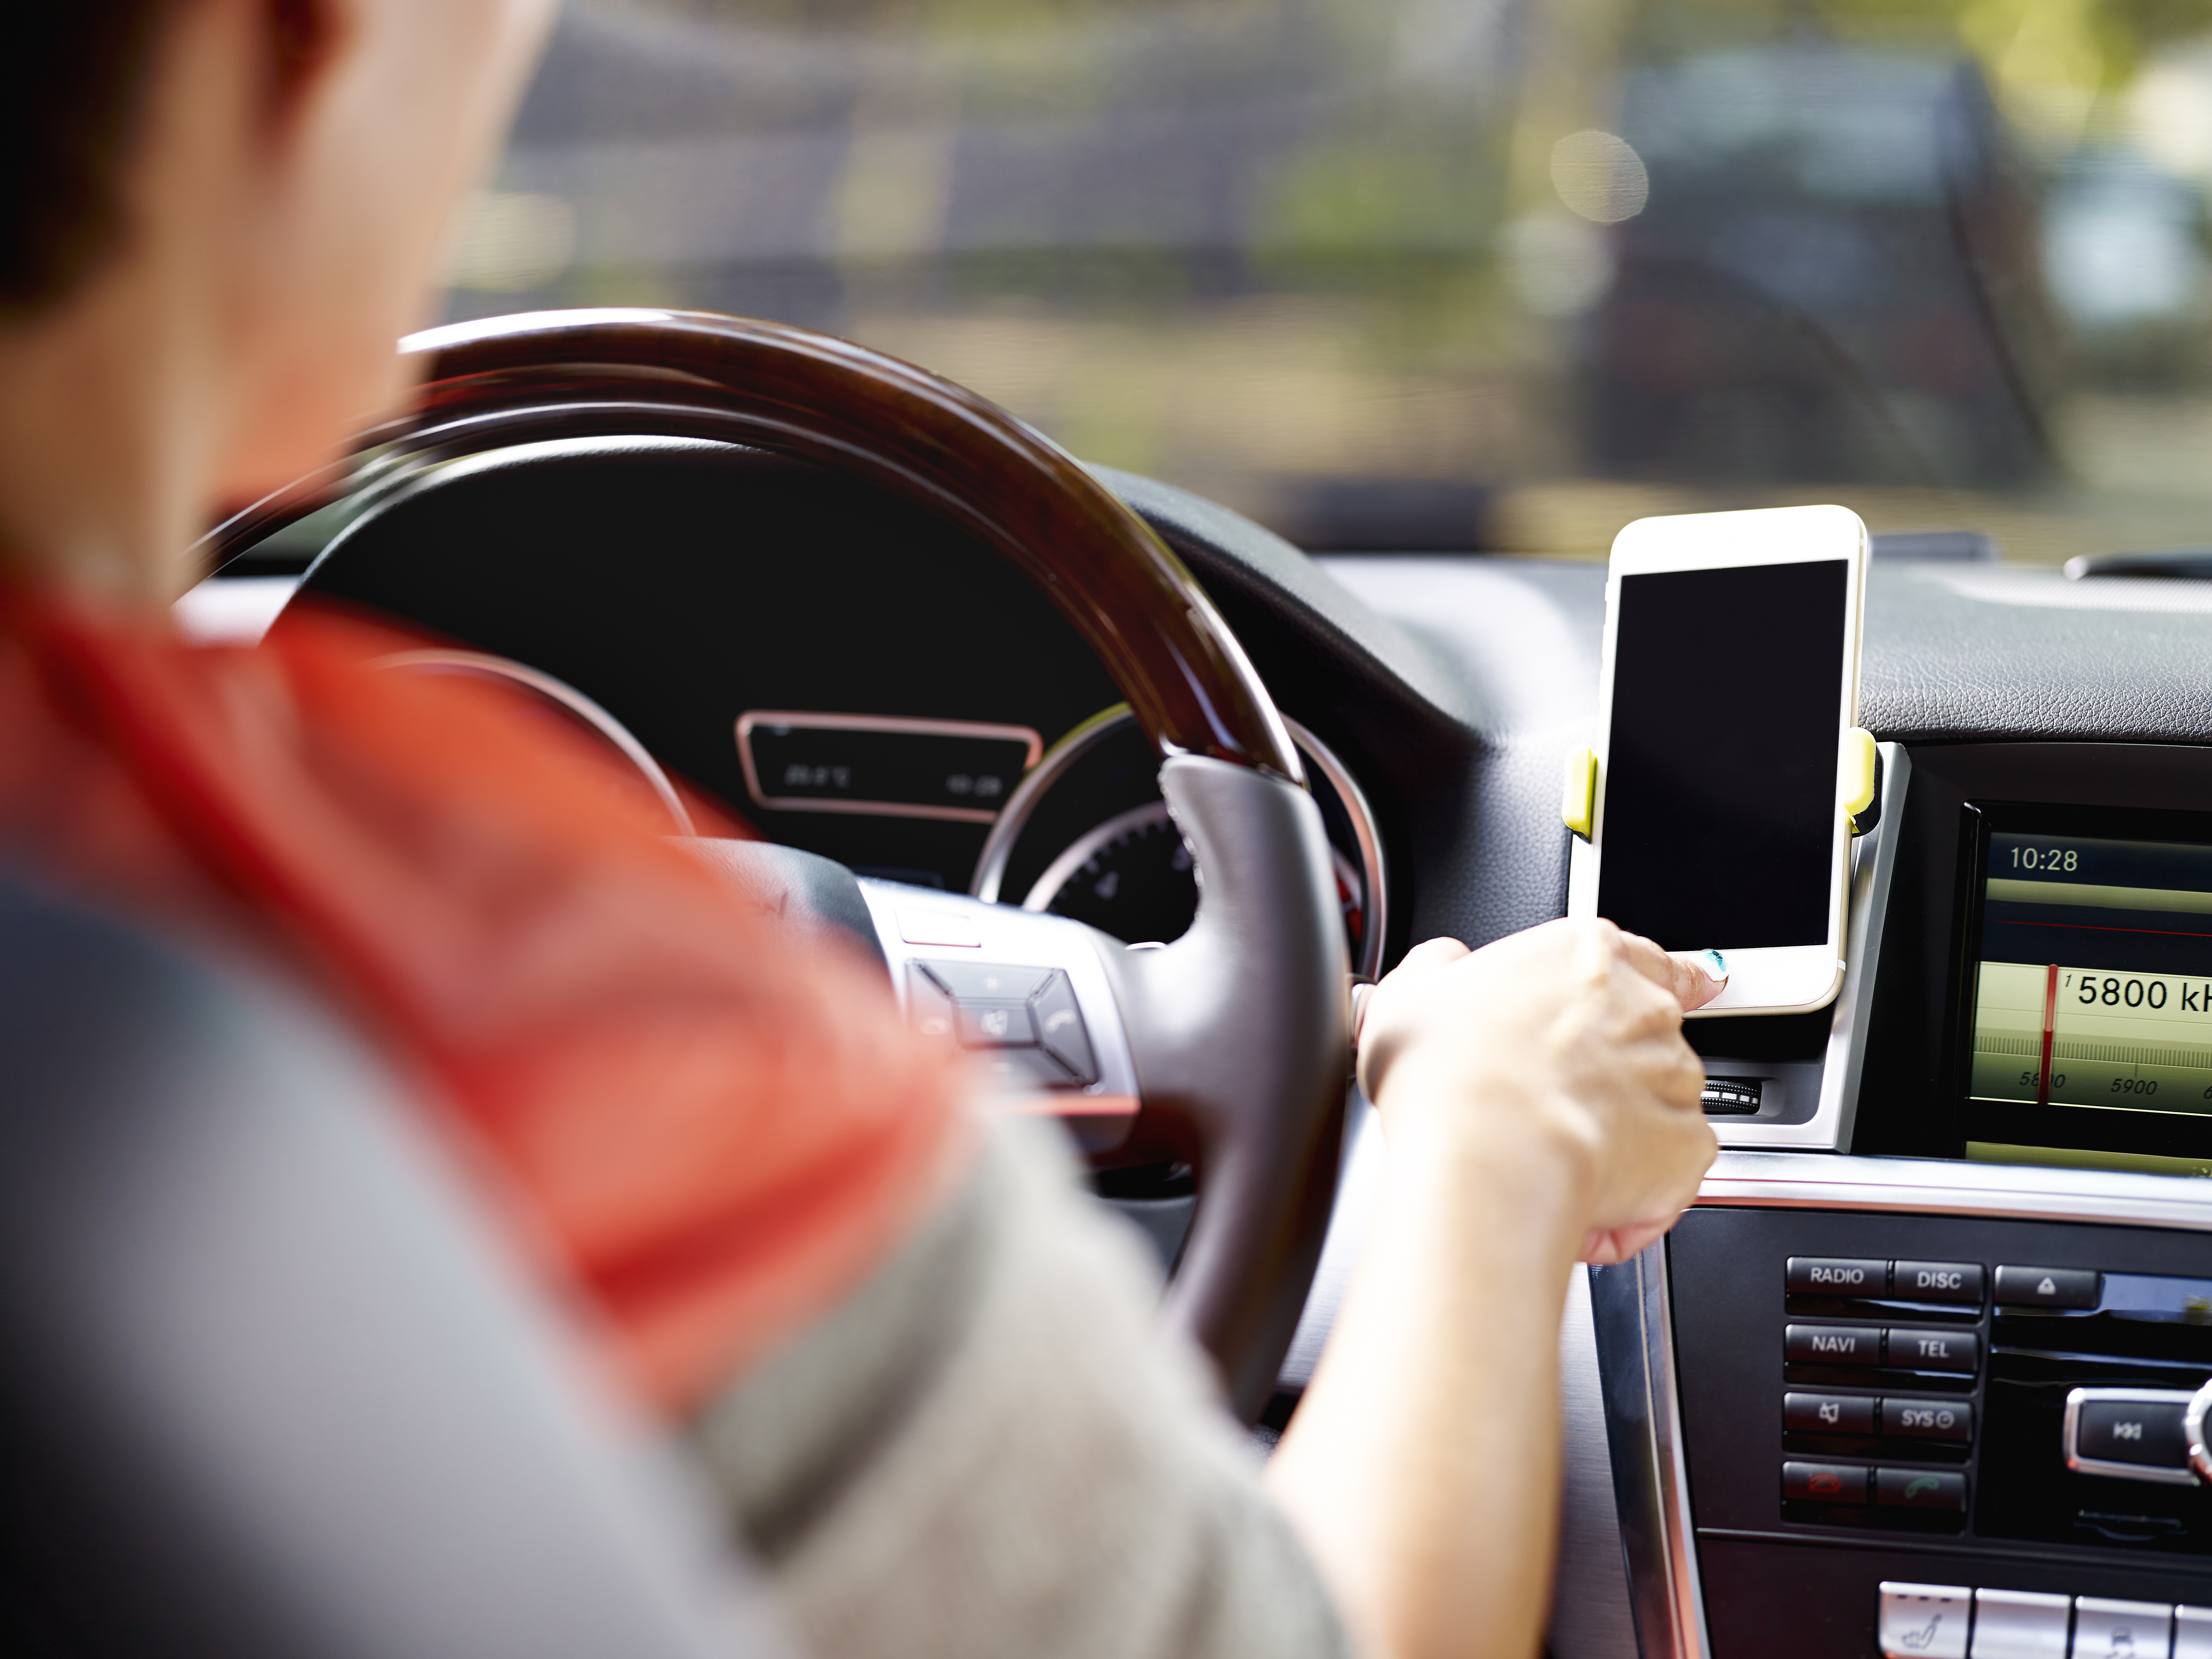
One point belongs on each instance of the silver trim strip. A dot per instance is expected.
(2077, 1398)
(1375, 924)
(812, 721)
(1942, 1186)
(1634, 1323)
(482, 663)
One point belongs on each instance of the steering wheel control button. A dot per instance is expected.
(989, 981)
(1933, 1350)
(1921, 1489)
(2020, 1625)
(1832, 1344)
(928, 1007)
(2048, 1287)
(1825, 1275)
(1953, 1282)
(1928, 1420)
(1828, 1413)
(2131, 1434)
(1061, 1030)
(1824, 1483)
(996, 1025)
(1022, 1070)
(1924, 1621)
(2139, 1630)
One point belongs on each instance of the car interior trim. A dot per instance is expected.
(1369, 837)
(1633, 1322)
(807, 721)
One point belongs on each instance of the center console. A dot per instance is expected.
(1942, 1386)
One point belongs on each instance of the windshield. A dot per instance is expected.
(1409, 275)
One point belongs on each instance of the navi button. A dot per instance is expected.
(1829, 1275)
(1924, 1621)
(2048, 1287)
(1832, 1344)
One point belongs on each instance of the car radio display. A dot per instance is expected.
(2094, 983)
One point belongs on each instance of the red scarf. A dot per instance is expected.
(716, 1128)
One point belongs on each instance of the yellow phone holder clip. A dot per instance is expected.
(1856, 773)
(1578, 802)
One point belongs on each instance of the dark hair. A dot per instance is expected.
(71, 83)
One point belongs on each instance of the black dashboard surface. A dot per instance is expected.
(681, 584)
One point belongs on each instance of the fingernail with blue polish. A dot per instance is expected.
(1712, 964)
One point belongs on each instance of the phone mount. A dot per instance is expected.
(1858, 785)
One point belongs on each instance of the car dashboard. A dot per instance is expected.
(1915, 1374)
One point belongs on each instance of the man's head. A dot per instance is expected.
(221, 214)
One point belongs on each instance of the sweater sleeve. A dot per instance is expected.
(995, 1448)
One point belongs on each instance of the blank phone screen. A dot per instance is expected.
(1720, 790)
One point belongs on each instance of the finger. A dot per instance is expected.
(1605, 1246)
(1695, 977)
(1432, 953)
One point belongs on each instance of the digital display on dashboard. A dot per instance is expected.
(2093, 981)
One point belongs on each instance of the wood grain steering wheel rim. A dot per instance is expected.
(1240, 1029)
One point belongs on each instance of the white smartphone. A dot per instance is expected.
(1727, 761)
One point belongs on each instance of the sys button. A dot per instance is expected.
(1836, 1275)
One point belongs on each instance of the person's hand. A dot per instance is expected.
(1564, 1045)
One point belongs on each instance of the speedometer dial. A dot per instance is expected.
(1087, 837)
(1131, 876)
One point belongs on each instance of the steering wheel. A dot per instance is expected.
(1238, 1033)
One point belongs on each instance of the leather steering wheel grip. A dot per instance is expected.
(1240, 1029)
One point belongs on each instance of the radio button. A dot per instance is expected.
(1832, 1344)
(1824, 1483)
(2141, 1630)
(2048, 1287)
(1933, 1350)
(1959, 1282)
(1920, 1489)
(2192, 1633)
(2020, 1625)
(1924, 1621)
(1833, 1275)
(1828, 1413)
(1928, 1420)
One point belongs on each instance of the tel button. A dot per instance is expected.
(1933, 1350)
(2048, 1287)
(1828, 1413)
(1832, 1344)
(1834, 1275)
(1937, 1281)
(1824, 1483)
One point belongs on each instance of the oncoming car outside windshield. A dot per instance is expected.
(1430, 275)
